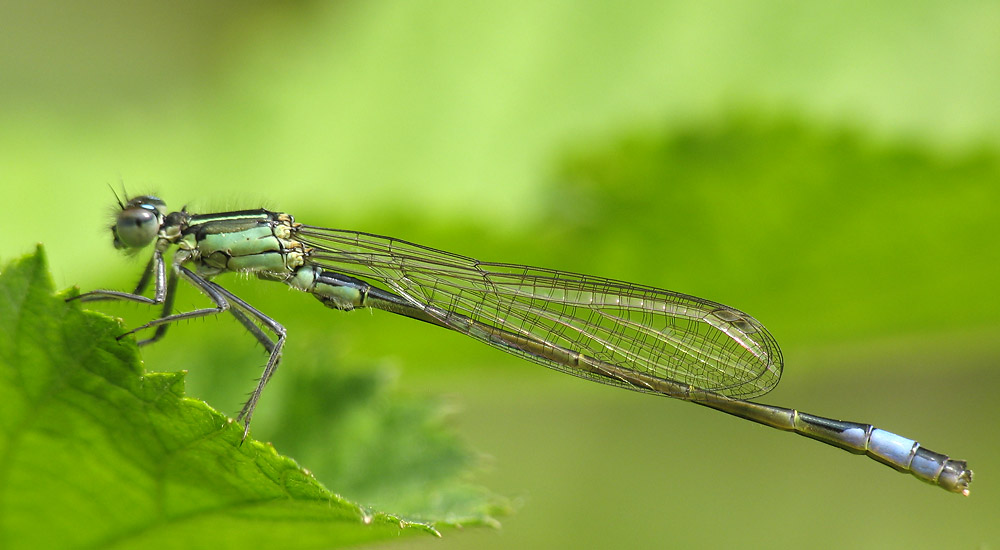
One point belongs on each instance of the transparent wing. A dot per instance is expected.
(556, 315)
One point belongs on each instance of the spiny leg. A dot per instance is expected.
(154, 266)
(168, 304)
(166, 289)
(224, 301)
(274, 348)
(252, 328)
(168, 307)
(207, 287)
(163, 293)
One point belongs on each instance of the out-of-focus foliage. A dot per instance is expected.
(869, 238)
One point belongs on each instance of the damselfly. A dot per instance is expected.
(617, 333)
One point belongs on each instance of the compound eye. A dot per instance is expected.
(136, 227)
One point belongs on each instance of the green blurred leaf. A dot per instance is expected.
(96, 453)
(868, 237)
(392, 454)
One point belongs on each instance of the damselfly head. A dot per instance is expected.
(138, 222)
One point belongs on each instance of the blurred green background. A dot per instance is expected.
(833, 170)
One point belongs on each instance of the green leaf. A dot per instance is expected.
(392, 454)
(96, 453)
